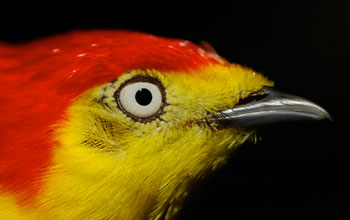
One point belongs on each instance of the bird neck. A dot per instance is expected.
(96, 187)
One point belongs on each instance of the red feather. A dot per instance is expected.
(39, 80)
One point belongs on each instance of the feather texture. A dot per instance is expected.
(40, 79)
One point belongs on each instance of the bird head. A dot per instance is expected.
(144, 117)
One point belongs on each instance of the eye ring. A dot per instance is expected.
(118, 95)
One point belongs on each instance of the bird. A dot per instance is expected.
(114, 124)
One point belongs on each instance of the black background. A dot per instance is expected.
(297, 170)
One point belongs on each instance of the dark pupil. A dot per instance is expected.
(143, 96)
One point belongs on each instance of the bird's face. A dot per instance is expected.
(162, 118)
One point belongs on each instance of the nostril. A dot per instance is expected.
(255, 96)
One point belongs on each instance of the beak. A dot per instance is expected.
(269, 106)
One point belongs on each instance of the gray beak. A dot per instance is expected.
(269, 106)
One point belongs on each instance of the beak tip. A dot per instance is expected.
(320, 113)
(328, 116)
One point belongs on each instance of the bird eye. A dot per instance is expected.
(141, 98)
